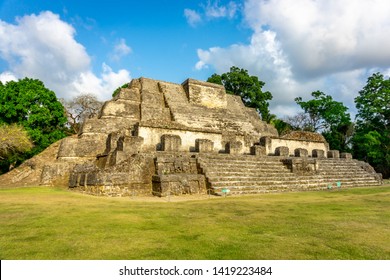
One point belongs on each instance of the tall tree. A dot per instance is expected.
(80, 108)
(30, 104)
(331, 118)
(372, 138)
(324, 112)
(238, 82)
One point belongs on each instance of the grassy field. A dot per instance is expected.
(50, 223)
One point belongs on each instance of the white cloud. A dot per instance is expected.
(321, 37)
(120, 50)
(193, 17)
(302, 46)
(215, 10)
(43, 46)
(87, 82)
(211, 10)
(7, 76)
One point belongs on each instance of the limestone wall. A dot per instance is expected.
(272, 144)
(205, 94)
(152, 138)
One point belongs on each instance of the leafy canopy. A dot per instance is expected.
(373, 103)
(30, 104)
(324, 112)
(324, 115)
(372, 138)
(238, 82)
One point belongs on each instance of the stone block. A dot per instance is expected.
(258, 151)
(129, 94)
(204, 146)
(130, 144)
(205, 94)
(282, 151)
(121, 108)
(172, 185)
(300, 152)
(153, 98)
(346, 155)
(333, 154)
(151, 112)
(73, 180)
(170, 143)
(318, 153)
(81, 147)
(233, 147)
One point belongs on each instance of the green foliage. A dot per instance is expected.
(119, 89)
(371, 141)
(13, 140)
(282, 126)
(238, 82)
(30, 104)
(373, 103)
(324, 113)
(329, 117)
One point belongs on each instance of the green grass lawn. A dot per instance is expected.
(50, 223)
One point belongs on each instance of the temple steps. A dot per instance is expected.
(245, 174)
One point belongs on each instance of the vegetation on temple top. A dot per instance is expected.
(238, 82)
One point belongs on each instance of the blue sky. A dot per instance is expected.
(295, 47)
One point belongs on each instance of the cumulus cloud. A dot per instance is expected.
(300, 47)
(43, 46)
(321, 37)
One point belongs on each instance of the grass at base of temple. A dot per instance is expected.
(53, 223)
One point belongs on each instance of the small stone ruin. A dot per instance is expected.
(160, 138)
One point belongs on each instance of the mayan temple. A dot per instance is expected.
(160, 138)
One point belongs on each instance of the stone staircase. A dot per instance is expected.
(248, 174)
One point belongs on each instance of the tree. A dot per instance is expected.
(324, 113)
(282, 126)
(371, 141)
(331, 118)
(30, 104)
(300, 121)
(80, 108)
(238, 82)
(14, 140)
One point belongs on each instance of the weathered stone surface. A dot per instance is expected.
(318, 153)
(205, 94)
(204, 146)
(333, 154)
(234, 147)
(170, 143)
(132, 94)
(305, 135)
(302, 166)
(282, 151)
(346, 155)
(300, 152)
(121, 108)
(258, 151)
(166, 185)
